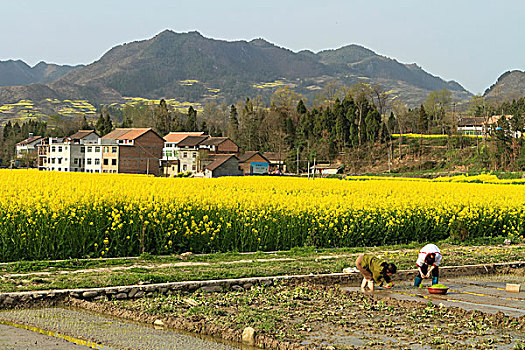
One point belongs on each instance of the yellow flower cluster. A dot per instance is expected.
(61, 215)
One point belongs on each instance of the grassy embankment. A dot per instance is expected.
(88, 273)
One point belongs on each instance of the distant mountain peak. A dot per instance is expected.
(223, 71)
(509, 85)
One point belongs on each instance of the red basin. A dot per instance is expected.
(437, 290)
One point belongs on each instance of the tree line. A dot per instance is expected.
(339, 120)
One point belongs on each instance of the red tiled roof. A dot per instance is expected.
(126, 134)
(219, 160)
(176, 137)
(192, 141)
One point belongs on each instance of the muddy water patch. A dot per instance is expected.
(20, 337)
(106, 332)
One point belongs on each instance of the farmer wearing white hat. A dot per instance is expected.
(428, 261)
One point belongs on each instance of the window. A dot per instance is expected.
(194, 167)
(89, 161)
(194, 154)
(82, 149)
(60, 148)
(53, 149)
(184, 167)
(75, 161)
(52, 160)
(113, 162)
(89, 149)
(106, 149)
(59, 160)
(114, 149)
(185, 155)
(97, 149)
(168, 153)
(106, 162)
(97, 161)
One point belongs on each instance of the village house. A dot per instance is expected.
(254, 163)
(219, 145)
(69, 155)
(43, 151)
(132, 151)
(223, 165)
(482, 126)
(472, 126)
(326, 169)
(27, 147)
(188, 153)
(170, 154)
(277, 162)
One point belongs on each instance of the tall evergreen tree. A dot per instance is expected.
(7, 131)
(191, 123)
(422, 120)
(108, 125)
(301, 108)
(99, 126)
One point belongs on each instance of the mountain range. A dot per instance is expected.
(190, 67)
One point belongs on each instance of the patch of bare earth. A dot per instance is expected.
(323, 317)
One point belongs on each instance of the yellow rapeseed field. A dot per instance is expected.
(61, 215)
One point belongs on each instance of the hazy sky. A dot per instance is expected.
(472, 42)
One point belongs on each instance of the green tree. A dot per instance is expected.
(422, 120)
(108, 125)
(232, 129)
(99, 126)
(301, 108)
(162, 118)
(191, 122)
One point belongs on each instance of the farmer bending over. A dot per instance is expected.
(375, 270)
(427, 263)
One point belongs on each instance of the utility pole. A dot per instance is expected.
(298, 160)
(308, 168)
(389, 158)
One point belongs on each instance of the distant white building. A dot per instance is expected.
(70, 154)
(27, 146)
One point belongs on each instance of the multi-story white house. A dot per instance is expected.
(70, 154)
(187, 151)
(93, 158)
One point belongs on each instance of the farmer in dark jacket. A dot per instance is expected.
(375, 270)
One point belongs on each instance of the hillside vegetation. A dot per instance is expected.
(190, 67)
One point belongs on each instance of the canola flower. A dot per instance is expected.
(53, 215)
